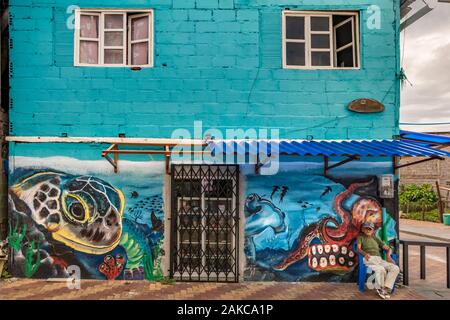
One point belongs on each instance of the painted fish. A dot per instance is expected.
(141, 240)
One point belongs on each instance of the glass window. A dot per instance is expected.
(139, 39)
(320, 40)
(114, 38)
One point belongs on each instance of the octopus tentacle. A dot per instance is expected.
(342, 234)
(308, 234)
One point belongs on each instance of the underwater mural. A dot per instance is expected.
(302, 226)
(110, 226)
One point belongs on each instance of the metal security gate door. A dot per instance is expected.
(205, 223)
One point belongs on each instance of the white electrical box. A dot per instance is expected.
(386, 186)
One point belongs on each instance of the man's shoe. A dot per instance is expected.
(381, 293)
(386, 293)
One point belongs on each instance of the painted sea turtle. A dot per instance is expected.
(83, 213)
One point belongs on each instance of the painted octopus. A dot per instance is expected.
(335, 253)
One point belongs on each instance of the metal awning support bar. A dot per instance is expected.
(114, 163)
(327, 166)
(167, 152)
(418, 162)
(167, 149)
(259, 164)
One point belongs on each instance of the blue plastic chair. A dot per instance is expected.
(363, 270)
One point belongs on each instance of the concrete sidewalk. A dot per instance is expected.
(431, 230)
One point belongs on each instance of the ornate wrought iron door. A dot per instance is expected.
(205, 223)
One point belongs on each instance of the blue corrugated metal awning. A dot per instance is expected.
(425, 137)
(369, 148)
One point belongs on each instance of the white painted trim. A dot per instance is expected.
(312, 33)
(107, 140)
(308, 50)
(150, 39)
(124, 37)
(352, 44)
(358, 42)
(126, 45)
(343, 22)
(78, 38)
(159, 141)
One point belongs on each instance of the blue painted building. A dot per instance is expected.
(103, 92)
(219, 62)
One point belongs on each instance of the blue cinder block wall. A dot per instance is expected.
(218, 61)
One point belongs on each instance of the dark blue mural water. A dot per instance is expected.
(301, 226)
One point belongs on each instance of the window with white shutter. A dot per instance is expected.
(320, 40)
(114, 38)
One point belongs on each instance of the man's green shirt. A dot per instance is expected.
(370, 245)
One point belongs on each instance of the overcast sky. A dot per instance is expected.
(426, 60)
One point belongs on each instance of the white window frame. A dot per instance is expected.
(131, 42)
(353, 44)
(79, 38)
(104, 47)
(308, 50)
(126, 44)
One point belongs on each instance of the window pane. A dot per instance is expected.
(139, 28)
(345, 58)
(320, 41)
(139, 53)
(113, 56)
(113, 38)
(89, 26)
(295, 28)
(339, 19)
(295, 54)
(344, 35)
(113, 21)
(320, 24)
(320, 59)
(89, 52)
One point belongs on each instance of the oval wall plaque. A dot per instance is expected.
(366, 106)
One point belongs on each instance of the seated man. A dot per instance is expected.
(370, 247)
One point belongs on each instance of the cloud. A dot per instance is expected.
(426, 60)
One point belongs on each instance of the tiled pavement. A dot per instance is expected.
(434, 287)
(435, 284)
(140, 290)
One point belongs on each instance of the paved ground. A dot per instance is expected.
(434, 287)
(435, 284)
(431, 230)
(137, 290)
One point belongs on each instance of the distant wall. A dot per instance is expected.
(427, 172)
